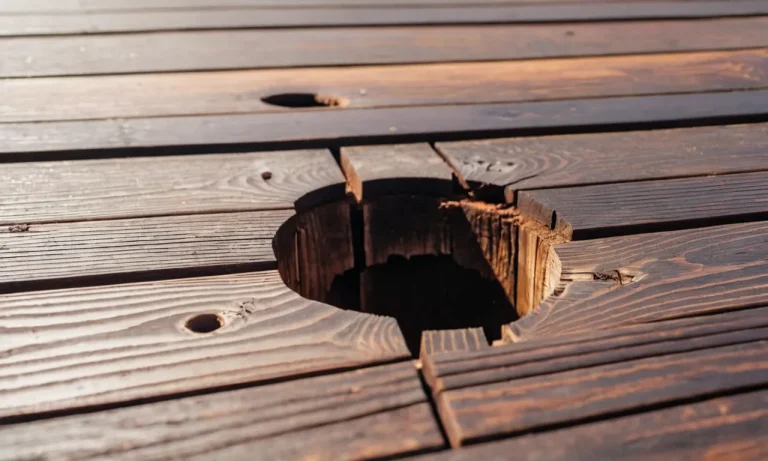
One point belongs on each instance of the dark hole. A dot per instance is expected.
(204, 323)
(301, 100)
(425, 293)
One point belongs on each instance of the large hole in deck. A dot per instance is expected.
(428, 265)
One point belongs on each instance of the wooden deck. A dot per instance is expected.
(368, 229)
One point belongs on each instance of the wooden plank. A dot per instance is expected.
(226, 18)
(91, 347)
(522, 405)
(42, 192)
(559, 161)
(650, 277)
(71, 254)
(606, 210)
(374, 171)
(363, 414)
(228, 92)
(570, 352)
(74, 6)
(731, 427)
(172, 51)
(445, 341)
(411, 123)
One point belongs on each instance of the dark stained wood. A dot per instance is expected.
(558, 161)
(208, 50)
(68, 349)
(71, 254)
(569, 352)
(445, 341)
(350, 126)
(522, 405)
(362, 414)
(732, 427)
(207, 19)
(613, 208)
(93, 97)
(374, 171)
(650, 277)
(127, 188)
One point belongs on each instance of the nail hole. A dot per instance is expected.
(204, 323)
(266, 176)
(302, 100)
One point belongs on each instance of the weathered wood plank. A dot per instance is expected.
(374, 171)
(225, 18)
(649, 277)
(76, 6)
(41, 192)
(732, 427)
(363, 414)
(522, 405)
(70, 254)
(169, 51)
(421, 123)
(69, 349)
(569, 352)
(633, 207)
(558, 161)
(445, 341)
(227, 92)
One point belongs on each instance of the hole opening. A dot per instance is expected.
(204, 323)
(303, 100)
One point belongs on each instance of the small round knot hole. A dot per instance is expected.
(303, 100)
(204, 323)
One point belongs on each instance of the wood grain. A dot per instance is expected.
(558, 161)
(522, 405)
(69, 349)
(569, 352)
(226, 18)
(582, 212)
(446, 341)
(234, 49)
(362, 414)
(730, 427)
(60, 6)
(241, 91)
(419, 123)
(374, 171)
(72, 254)
(40, 192)
(651, 277)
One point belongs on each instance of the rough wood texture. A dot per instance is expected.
(645, 278)
(170, 51)
(68, 349)
(443, 341)
(557, 161)
(732, 427)
(582, 211)
(371, 413)
(126, 188)
(522, 405)
(374, 171)
(353, 125)
(600, 347)
(71, 254)
(227, 92)
(205, 19)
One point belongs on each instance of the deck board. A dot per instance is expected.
(237, 49)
